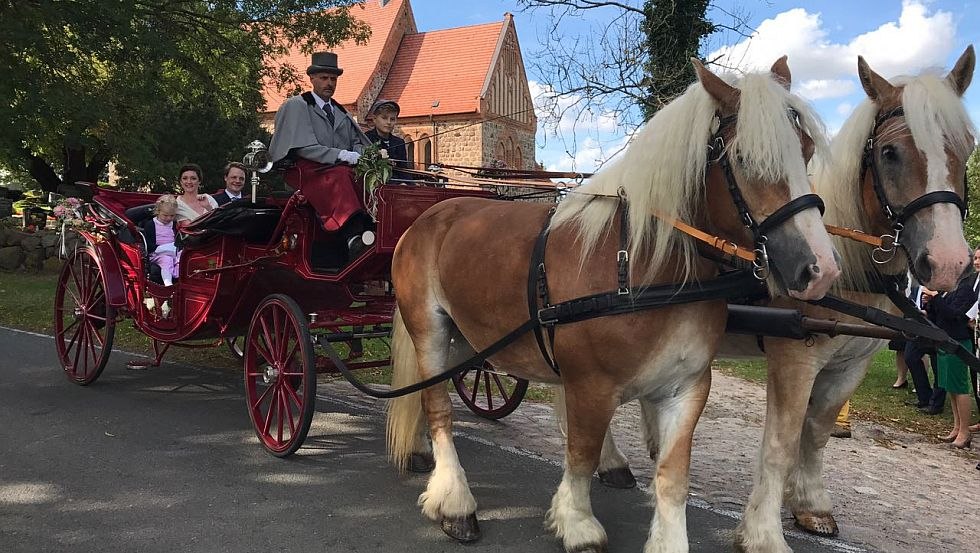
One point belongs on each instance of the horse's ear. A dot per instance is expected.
(724, 93)
(961, 75)
(780, 72)
(876, 86)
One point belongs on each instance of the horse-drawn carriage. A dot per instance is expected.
(264, 278)
(742, 151)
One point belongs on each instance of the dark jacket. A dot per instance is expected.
(222, 197)
(948, 310)
(396, 152)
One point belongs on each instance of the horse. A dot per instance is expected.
(914, 138)
(920, 137)
(461, 275)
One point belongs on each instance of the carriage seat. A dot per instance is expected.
(254, 223)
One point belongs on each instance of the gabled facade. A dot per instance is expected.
(463, 92)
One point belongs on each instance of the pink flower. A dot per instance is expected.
(74, 202)
(59, 211)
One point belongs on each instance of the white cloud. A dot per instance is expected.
(818, 89)
(589, 155)
(844, 108)
(918, 40)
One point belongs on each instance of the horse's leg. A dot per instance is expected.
(614, 470)
(791, 370)
(806, 494)
(570, 516)
(447, 497)
(673, 422)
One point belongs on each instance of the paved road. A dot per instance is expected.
(164, 460)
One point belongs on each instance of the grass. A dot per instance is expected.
(874, 400)
(26, 302)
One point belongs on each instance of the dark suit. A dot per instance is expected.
(927, 396)
(222, 197)
(396, 152)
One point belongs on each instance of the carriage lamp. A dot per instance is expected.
(289, 242)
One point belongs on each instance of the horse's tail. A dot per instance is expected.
(405, 412)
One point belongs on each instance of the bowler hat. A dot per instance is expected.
(382, 104)
(324, 62)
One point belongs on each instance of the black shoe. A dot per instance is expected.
(929, 410)
(915, 403)
(357, 244)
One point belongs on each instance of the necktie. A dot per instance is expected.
(328, 109)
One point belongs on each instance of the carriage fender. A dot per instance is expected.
(108, 261)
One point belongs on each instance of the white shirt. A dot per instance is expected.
(320, 102)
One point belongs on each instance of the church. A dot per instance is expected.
(463, 92)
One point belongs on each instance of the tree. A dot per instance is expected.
(149, 83)
(971, 227)
(626, 67)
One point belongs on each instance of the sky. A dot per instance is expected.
(822, 39)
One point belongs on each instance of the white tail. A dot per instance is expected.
(404, 413)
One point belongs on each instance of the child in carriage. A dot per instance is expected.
(384, 116)
(161, 236)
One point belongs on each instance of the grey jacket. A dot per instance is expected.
(303, 128)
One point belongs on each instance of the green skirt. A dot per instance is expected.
(954, 375)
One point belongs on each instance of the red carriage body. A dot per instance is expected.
(255, 271)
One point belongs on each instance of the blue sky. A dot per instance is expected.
(822, 40)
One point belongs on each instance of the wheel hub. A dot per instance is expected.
(270, 374)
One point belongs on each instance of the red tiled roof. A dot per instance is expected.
(450, 66)
(358, 61)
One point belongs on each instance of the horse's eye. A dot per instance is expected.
(889, 153)
(794, 116)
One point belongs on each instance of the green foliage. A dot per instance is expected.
(971, 227)
(674, 30)
(149, 83)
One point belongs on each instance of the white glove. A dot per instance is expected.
(167, 249)
(348, 157)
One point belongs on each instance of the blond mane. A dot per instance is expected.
(662, 171)
(935, 117)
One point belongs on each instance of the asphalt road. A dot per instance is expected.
(164, 460)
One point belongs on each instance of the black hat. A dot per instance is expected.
(324, 62)
(384, 103)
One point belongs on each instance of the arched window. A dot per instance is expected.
(410, 151)
(517, 160)
(424, 152)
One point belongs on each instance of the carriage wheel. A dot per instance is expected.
(235, 345)
(280, 375)
(84, 324)
(488, 393)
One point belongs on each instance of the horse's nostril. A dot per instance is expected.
(814, 269)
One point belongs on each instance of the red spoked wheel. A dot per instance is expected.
(489, 393)
(84, 323)
(280, 375)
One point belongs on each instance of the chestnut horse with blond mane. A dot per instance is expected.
(896, 169)
(461, 272)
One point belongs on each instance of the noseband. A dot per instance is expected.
(718, 153)
(897, 216)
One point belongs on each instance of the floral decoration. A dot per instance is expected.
(373, 169)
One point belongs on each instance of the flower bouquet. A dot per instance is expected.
(68, 212)
(373, 169)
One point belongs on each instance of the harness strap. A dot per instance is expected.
(854, 234)
(623, 255)
(537, 290)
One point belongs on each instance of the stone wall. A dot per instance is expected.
(32, 252)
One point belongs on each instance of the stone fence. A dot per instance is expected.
(32, 252)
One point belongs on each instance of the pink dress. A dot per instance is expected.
(165, 255)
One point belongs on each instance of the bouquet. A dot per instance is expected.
(68, 212)
(373, 169)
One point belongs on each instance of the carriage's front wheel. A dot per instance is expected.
(489, 393)
(84, 323)
(280, 375)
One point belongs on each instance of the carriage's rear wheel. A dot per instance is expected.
(488, 393)
(84, 323)
(280, 375)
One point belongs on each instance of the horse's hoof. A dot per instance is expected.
(464, 529)
(818, 524)
(588, 548)
(621, 478)
(421, 462)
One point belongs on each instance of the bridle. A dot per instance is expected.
(897, 216)
(718, 153)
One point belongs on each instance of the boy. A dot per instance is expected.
(384, 115)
